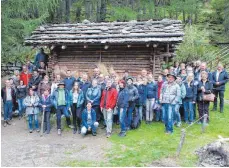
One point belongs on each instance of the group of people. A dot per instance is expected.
(107, 99)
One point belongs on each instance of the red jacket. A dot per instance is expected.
(159, 84)
(111, 98)
(25, 78)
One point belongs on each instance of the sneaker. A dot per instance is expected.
(108, 134)
(94, 133)
(214, 109)
(190, 123)
(30, 131)
(74, 131)
(128, 128)
(59, 131)
(8, 122)
(4, 124)
(62, 116)
(19, 117)
(38, 130)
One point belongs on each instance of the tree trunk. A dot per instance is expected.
(87, 9)
(103, 10)
(67, 11)
(183, 16)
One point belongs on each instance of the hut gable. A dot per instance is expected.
(164, 31)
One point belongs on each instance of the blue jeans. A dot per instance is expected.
(188, 111)
(47, 125)
(162, 113)
(159, 115)
(8, 108)
(130, 113)
(177, 118)
(169, 108)
(139, 109)
(36, 123)
(21, 107)
(64, 110)
(122, 115)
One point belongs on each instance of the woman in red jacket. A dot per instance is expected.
(107, 104)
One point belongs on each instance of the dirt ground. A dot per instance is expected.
(29, 149)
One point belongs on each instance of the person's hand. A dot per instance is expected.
(203, 90)
(101, 109)
(109, 110)
(193, 102)
(44, 106)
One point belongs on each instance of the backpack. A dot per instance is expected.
(136, 122)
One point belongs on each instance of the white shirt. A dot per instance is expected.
(217, 76)
(75, 97)
(8, 94)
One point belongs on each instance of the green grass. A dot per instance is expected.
(227, 92)
(148, 143)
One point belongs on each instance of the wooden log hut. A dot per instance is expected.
(131, 46)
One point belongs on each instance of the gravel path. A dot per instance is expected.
(20, 148)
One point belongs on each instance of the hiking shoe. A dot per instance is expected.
(79, 130)
(94, 133)
(128, 128)
(108, 135)
(221, 110)
(19, 117)
(59, 131)
(30, 131)
(122, 134)
(38, 130)
(4, 124)
(74, 131)
(190, 123)
(8, 122)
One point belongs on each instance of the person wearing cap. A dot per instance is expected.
(151, 98)
(133, 96)
(169, 97)
(46, 104)
(61, 101)
(219, 79)
(69, 80)
(177, 116)
(8, 97)
(31, 102)
(122, 105)
(107, 105)
(89, 123)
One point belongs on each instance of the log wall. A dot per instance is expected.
(120, 57)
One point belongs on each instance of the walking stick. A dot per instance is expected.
(42, 122)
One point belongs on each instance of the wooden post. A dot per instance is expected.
(167, 50)
(182, 138)
(154, 62)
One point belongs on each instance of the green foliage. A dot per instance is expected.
(19, 19)
(195, 45)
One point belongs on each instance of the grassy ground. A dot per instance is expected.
(148, 143)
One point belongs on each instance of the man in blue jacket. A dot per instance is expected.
(69, 80)
(219, 79)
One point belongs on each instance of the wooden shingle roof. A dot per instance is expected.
(164, 31)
